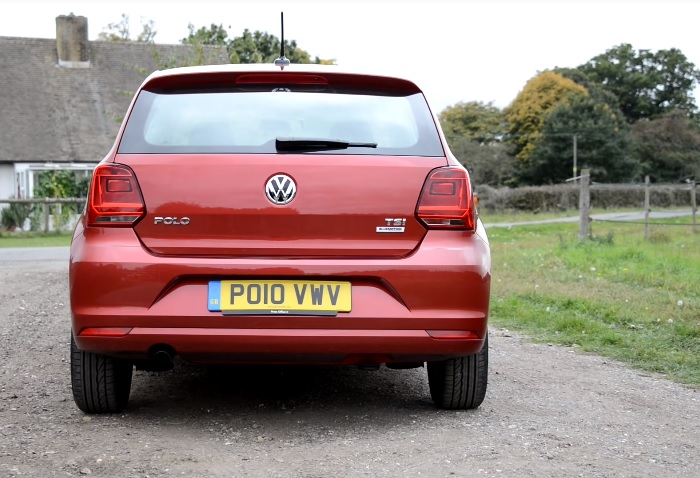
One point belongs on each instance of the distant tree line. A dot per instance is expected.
(626, 113)
(249, 47)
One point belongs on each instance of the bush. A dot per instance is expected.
(565, 197)
(13, 216)
(532, 198)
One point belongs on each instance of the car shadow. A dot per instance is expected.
(315, 394)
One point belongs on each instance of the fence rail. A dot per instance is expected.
(642, 187)
(46, 203)
(585, 200)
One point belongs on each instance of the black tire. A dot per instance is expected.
(460, 383)
(100, 384)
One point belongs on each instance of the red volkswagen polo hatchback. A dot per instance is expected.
(258, 214)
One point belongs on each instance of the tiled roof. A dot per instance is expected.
(54, 114)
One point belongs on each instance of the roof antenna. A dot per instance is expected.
(282, 61)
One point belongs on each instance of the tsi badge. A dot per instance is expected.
(397, 224)
(172, 221)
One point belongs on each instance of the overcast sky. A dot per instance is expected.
(455, 50)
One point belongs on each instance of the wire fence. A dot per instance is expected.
(585, 218)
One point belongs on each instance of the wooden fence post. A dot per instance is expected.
(584, 205)
(46, 215)
(693, 206)
(646, 207)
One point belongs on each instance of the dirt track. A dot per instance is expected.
(549, 411)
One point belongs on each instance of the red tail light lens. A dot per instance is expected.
(115, 198)
(446, 201)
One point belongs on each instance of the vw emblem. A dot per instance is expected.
(280, 189)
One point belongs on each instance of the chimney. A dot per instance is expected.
(72, 41)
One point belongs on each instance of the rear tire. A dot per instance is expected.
(460, 383)
(101, 384)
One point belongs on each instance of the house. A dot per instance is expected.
(62, 101)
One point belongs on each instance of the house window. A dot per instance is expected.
(21, 184)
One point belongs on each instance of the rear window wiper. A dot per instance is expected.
(316, 144)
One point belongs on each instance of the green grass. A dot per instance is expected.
(616, 294)
(33, 239)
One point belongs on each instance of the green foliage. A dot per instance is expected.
(214, 35)
(669, 147)
(475, 121)
(647, 84)
(14, 215)
(537, 199)
(121, 31)
(595, 90)
(474, 132)
(250, 47)
(602, 138)
(60, 184)
(488, 163)
(563, 197)
(526, 114)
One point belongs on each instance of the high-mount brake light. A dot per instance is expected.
(115, 198)
(446, 201)
(282, 77)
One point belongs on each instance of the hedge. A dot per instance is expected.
(562, 197)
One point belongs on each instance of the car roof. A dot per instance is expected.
(269, 68)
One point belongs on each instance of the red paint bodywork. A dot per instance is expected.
(136, 288)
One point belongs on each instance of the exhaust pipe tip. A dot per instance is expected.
(162, 359)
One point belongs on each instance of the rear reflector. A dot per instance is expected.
(115, 198)
(105, 331)
(452, 334)
(446, 201)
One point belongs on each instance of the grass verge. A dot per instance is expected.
(33, 239)
(617, 294)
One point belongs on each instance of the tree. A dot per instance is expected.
(477, 121)
(603, 144)
(595, 90)
(214, 35)
(647, 84)
(526, 114)
(250, 47)
(121, 31)
(148, 32)
(488, 163)
(117, 31)
(669, 147)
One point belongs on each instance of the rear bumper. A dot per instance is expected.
(397, 303)
(284, 345)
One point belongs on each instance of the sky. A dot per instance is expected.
(456, 51)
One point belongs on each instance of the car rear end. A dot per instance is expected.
(278, 216)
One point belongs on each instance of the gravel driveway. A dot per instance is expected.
(549, 411)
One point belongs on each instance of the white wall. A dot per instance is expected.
(7, 181)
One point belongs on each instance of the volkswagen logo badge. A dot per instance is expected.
(280, 189)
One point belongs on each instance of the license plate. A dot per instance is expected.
(280, 297)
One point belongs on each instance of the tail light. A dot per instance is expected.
(446, 201)
(115, 198)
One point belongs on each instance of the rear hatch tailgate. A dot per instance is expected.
(216, 204)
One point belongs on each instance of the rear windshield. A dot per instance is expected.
(251, 120)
